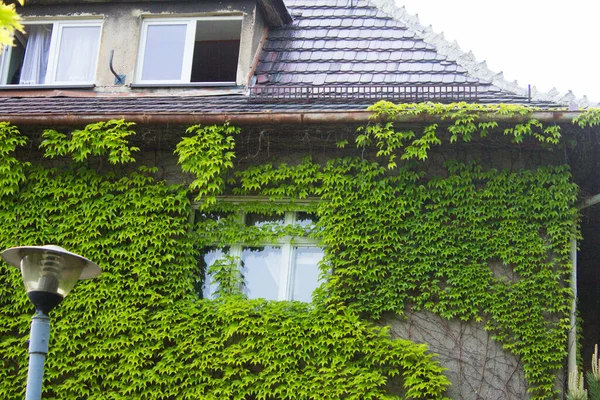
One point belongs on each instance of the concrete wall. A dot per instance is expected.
(476, 365)
(122, 27)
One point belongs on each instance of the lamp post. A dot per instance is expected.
(49, 273)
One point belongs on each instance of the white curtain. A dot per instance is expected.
(78, 54)
(35, 61)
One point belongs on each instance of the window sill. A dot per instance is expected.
(48, 86)
(184, 85)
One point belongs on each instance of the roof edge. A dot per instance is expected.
(275, 12)
(477, 69)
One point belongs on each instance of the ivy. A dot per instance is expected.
(589, 118)
(139, 329)
(99, 139)
(407, 241)
(11, 170)
(462, 122)
(207, 154)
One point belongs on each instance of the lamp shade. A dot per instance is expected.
(50, 268)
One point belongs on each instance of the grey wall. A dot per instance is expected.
(476, 365)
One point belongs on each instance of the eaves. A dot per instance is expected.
(263, 118)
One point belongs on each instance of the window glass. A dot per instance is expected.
(34, 65)
(255, 219)
(216, 51)
(283, 268)
(78, 53)
(209, 288)
(261, 270)
(51, 53)
(164, 52)
(203, 49)
(304, 218)
(305, 272)
(11, 60)
(208, 215)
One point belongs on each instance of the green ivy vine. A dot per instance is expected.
(463, 123)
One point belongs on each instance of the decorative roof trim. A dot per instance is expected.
(468, 61)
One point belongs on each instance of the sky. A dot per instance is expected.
(545, 44)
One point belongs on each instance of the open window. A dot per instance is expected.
(202, 50)
(287, 269)
(52, 53)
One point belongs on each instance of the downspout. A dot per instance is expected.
(572, 339)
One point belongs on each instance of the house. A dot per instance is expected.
(427, 226)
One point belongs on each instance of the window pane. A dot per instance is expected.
(306, 272)
(209, 288)
(4, 57)
(163, 55)
(255, 219)
(261, 270)
(78, 54)
(35, 57)
(13, 61)
(216, 51)
(202, 216)
(303, 218)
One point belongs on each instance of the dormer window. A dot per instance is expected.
(201, 50)
(52, 53)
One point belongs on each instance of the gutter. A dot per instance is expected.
(590, 201)
(265, 118)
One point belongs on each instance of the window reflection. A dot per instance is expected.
(210, 287)
(262, 271)
(305, 276)
(305, 218)
(256, 219)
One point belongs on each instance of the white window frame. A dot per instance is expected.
(53, 52)
(188, 52)
(288, 245)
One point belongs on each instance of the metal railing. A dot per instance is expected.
(362, 93)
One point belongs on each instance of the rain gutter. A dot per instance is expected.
(262, 118)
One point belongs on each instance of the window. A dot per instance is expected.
(285, 270)
(187, 50)
(52, 53)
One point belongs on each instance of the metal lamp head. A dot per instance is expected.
(49, 272)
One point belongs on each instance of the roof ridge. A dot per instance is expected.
(467, 60)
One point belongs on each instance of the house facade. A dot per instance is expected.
(266, 232)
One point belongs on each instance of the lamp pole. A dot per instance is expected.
(38, 348)
(49, 273)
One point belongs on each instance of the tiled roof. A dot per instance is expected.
(350, 42)
(360, 42)
(159, 105)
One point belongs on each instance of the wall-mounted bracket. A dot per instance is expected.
(119, 79)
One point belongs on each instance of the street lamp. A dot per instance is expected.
(49, 273)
